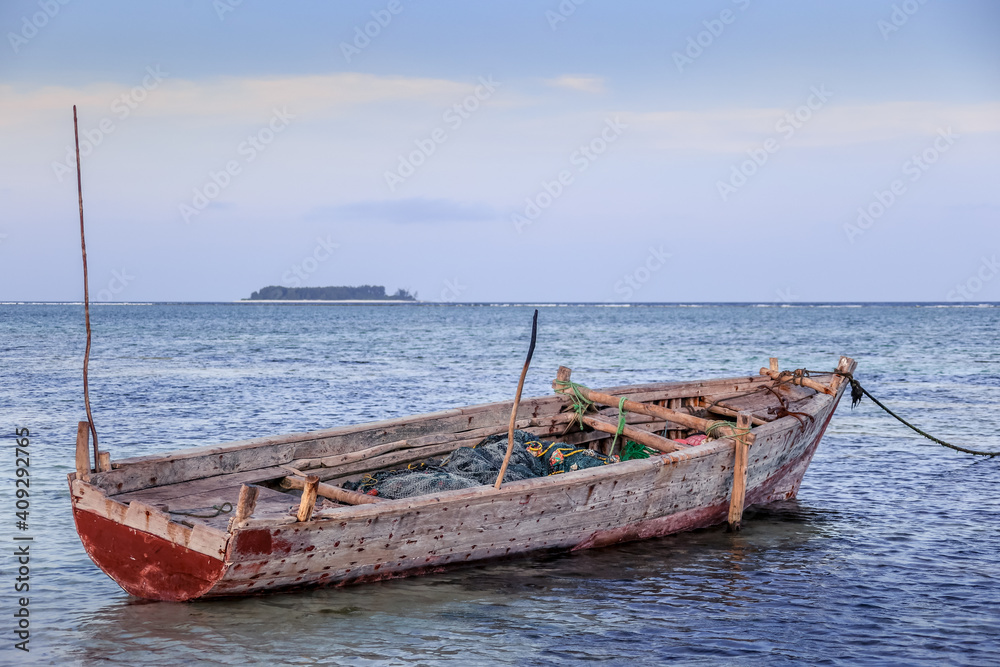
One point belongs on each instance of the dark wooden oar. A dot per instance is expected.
(517, 401)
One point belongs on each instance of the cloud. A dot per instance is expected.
(230, 98)
(579, 83)
(833, 125)
(414, 209)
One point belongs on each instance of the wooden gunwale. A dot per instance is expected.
(133, 474)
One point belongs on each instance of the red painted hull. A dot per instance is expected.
(146, 565)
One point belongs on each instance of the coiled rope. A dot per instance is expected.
(714, 426)
(858, 392)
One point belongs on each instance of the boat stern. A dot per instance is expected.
(142, 550)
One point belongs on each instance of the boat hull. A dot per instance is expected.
(599, 507)
(142, 550)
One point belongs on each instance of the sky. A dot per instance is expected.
(731, 150)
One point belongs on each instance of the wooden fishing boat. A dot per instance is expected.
(242, 518)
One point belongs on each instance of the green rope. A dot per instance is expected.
(714, 426)
(621, 424)
(632, 450)
(580, 403)
(224, 508)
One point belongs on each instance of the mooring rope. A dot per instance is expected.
(857, 392)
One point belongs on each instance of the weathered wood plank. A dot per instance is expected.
(207, 485)
(83, 451)
(801, 381)
(642, 437)
(738, 496)
(331, 492)
(245, 505)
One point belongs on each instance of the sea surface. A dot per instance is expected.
(890, 554)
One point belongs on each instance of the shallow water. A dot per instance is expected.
(889, 554)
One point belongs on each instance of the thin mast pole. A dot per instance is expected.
(86, 295)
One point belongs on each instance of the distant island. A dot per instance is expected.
(362, 293)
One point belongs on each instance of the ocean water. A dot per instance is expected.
(888, 556)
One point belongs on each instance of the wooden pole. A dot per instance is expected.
(632, 433)
(86, 296)
(743, 442)
(308, 501)
(690, 421)
(245, 506)
(799, 380)
(844, 367)
(729, 412)
(83, 451)
(773, 361)
(517, 401)
(332, 492)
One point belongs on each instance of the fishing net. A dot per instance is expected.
(479, 465)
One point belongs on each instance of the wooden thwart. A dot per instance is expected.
(720, 409)
(331, 492)
(642, 437)
(799, 380)
(690, 421)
